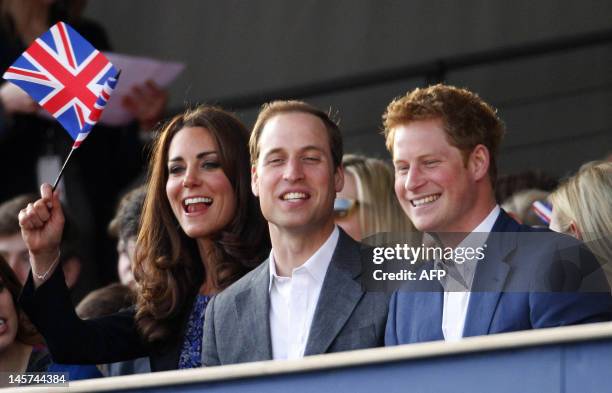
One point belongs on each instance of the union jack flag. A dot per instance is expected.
(67, 76)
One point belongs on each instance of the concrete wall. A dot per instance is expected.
(556, 106)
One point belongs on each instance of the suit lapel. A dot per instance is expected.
(490, 277)
(428, 305)
(252, 306)
(427, 325)
(340, 294)
(421, 309)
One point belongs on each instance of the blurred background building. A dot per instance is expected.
(544, 64)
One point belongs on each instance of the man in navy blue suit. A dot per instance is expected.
(444, 142)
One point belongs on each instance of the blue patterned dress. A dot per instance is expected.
(191, 352)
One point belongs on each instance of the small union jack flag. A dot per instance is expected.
(67, 76)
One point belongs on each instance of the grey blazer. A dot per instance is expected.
(237, 322)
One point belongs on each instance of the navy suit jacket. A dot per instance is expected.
(525, 281)
(72, 340)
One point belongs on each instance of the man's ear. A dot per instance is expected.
(254, 181)
(339, 178)
(479, 161)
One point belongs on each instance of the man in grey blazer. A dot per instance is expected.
(307, 297)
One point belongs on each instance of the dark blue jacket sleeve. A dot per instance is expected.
(72, 340)
(391, 332)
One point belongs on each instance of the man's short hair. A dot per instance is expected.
(9, 212)
(105, 301)
(275, 108)
(467, 120)
(9, 225)
(126, 223)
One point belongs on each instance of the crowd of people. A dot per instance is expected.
(243, 246)
(37, 145)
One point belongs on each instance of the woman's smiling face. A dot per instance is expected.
(9, 323)
(200, 194)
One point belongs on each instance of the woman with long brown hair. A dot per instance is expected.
(201, 229)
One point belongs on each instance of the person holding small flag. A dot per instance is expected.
(32, 147)
(201, 230)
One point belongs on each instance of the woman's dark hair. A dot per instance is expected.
(168, 267)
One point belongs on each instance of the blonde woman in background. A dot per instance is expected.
(367, 204)
(582, 208)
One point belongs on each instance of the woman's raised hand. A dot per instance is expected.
(42, 224)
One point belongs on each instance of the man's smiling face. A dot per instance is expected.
(295, 178)
(432, 182)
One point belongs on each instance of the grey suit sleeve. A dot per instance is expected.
(210, 357)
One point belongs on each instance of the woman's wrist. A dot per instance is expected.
(43, 265)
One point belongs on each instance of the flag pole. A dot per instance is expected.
(63, 167)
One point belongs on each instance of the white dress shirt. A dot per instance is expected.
(456, 298)
(293, 301)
